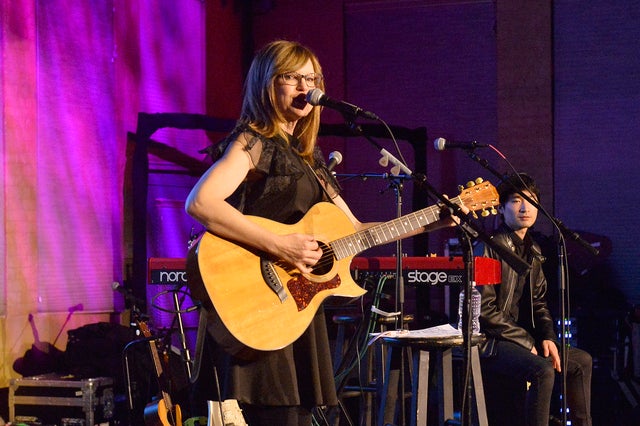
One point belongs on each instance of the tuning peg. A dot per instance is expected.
(494, 211)
(460, 188)
(471, 184)
(473, 213)
(479, 180)
(485, 213)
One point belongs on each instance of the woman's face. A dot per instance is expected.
(291, 99)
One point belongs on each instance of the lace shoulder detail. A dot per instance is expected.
(217, 149)
(268, 155)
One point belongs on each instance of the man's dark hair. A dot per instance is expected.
(517, 182)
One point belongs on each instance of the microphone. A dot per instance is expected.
(116, 286)
(317, 97)
(335, 158)
(127, 293)
(441, 144)
(78, 307)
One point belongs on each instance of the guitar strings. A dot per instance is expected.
(362, 242)
(328, 256)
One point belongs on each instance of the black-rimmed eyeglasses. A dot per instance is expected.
(293, 79)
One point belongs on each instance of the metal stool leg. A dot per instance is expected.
(478, 387)
(420, 388)
(446, 386)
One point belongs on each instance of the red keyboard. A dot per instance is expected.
(167, 271)
(430, 271)
(417, 271)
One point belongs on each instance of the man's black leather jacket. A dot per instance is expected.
(497, 300)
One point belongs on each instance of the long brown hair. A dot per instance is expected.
(259, 107)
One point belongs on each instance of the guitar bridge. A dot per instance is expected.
(272, 279)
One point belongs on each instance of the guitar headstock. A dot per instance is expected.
(144, 328)
(480, 195)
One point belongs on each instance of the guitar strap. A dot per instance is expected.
(323, 183)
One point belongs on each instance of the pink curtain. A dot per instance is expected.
(79, 157)
(92, 66)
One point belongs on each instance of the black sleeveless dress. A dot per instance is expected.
(282, 188)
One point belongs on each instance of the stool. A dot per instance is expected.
(422, 348)
(387, 376)
(373, 365)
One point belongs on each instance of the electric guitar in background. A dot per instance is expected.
(162, 412)
(266, 304)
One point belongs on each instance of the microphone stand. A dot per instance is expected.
(400, 296)
(562, 272)
(467, 330)
(398, 186)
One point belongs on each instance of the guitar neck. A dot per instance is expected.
(159, 372)
(157, 363)
(386, 232)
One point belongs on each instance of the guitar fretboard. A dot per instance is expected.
(157, 363)
(385, 232)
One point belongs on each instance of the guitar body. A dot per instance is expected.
(266, 304)
(157, 414)
(250, 310)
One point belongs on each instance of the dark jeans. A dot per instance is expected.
(518, 366)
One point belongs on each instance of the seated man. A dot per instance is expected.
(521, 340)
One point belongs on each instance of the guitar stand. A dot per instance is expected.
(178, 311)
(186, 354)
(131, 387)
(131, 392)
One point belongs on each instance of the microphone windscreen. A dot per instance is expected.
(336, 156)
(314, 95)
(440, 144)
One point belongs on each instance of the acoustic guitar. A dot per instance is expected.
(162, 412)
(266, 304)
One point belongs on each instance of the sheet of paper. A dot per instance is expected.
(444, 330)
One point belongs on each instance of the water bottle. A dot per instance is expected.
(475, 310)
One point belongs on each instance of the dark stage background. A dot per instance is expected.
(552, 86)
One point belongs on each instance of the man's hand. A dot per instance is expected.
(549, 348)
(446, 216)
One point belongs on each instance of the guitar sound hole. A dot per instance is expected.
(325, 264)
